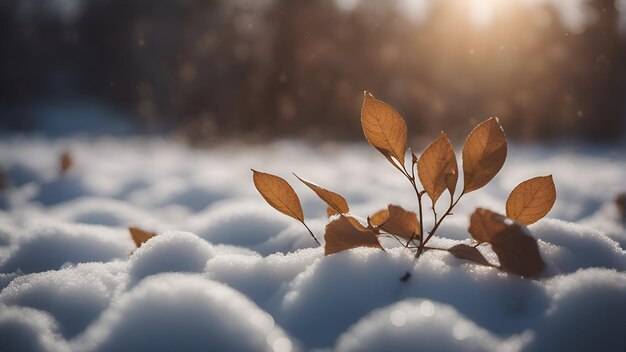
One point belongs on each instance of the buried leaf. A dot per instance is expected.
(336, 203)
(437, 168)
(140, 236)
(463, 251)
(65, 162)
(484, 153)
(346, 233)
(384, 128)
(279, 194)
(397, 221)
(517, 251)
(531, 200)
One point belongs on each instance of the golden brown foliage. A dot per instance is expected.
(65, 162)
(279, 194)
(484, 154)
(347, 233)
(531, 200)
(384, 128)
(140, 236)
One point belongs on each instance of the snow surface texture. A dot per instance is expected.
(228, 273)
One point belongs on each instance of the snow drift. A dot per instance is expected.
(227, 273)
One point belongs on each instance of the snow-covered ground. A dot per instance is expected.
(229, 273)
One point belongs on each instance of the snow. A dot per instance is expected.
(227, 272)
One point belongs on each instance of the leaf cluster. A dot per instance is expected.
(432, 174)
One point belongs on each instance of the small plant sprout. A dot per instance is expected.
(433, 173)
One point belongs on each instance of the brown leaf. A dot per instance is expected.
(484, 224)
(379, 218)
(463, 251)
(65, 162)
(397, 221)
(384, 128)
(335, 202)
(484, 153)
(620, 203)
(531, 200)
(517, 251)
(437, 168)
(279, 194)
(346, 233)
(139, 235)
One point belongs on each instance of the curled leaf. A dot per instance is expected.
(484, 153)
(65, 162)
(531, 200)
(140, 236)
(463, 251)
(279, 194)
(437, 168)
(397, 221)
(517, 251)
(336, 203)
(384, 128)
(346, 233)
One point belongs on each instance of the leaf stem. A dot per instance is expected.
(311, 232)
(436, 226)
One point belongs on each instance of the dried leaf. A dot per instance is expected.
(517, 251)
(531, 200)
(65, 162)
(620, 203)
(484, 224)
(463, 251)
(397, 221)
(484, 153)
(335, 202)
(384, 128)
(379, 218)
(437, 168)
(140, 236)
(346, 233)
(279, 194)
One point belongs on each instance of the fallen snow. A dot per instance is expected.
(227, 272)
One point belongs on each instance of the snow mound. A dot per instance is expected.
(73, 296)
(182, 312)
(25, 329)
(170, 252)
(421, 325)
(49, 246)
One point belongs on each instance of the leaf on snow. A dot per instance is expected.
(517, 251)
(437, 168)
(463, 251)
(346, 232)
(397, 221)
(279, 194)
(336, 203)
(531, 200)
(484, 153)
(65, 162)
(140, 236)
(384, 128)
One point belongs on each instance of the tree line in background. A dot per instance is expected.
(211, 68)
